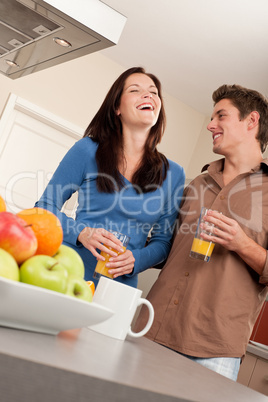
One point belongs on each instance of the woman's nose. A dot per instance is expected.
(147, 94)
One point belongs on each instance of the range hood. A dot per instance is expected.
(36, 34)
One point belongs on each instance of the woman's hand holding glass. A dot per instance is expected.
(101, 239)
(123, 264)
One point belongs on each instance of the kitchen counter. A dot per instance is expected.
(254, 369)
(258, 351)
(81, 365)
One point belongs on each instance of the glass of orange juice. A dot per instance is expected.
(101, 268)
(202, 249)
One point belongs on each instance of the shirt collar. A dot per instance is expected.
(217, 166)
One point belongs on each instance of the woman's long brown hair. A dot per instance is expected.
(106, 129)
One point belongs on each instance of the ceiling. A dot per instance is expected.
(194, 46)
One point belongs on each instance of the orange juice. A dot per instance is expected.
(203, 247)
(101, 265)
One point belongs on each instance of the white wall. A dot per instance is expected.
(202, 153)
(184, 127)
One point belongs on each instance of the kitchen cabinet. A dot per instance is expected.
(254, 373)
(32, 143)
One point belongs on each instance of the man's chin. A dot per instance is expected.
(217, 150)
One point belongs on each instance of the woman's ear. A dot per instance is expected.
(117, 112)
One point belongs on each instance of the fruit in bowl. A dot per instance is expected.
(91, 284)
(44, 271)
(77, 287)
(17, 237)
(8, 266)
(3, 207)
(33, 239)
(50, 273)
(71, 260)
(46, 227)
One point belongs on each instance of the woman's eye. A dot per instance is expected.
(154, 93)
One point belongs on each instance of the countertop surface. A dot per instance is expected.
(260, 351)
(82, 365)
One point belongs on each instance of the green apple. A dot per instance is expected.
(71, 260)
(77, 287)
(44, 271)
(8, 266)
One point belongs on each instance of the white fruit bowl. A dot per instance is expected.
(37, 309)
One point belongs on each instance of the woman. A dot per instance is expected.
(123, 182)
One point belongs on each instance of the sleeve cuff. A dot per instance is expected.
(136, 264)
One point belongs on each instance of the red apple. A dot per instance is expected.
(17, 237)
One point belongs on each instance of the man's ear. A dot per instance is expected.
(253, 119)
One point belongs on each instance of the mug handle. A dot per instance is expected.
(149, 322)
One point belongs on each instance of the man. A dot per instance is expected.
(207, 311)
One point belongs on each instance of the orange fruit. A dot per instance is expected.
(91, 284)
(2, 204)
(47, 229)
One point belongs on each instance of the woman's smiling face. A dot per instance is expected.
(139, 104)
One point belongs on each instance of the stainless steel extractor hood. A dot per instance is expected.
(36, 34)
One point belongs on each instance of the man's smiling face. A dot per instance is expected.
(228, 130)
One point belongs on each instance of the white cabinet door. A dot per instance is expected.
(32, 143)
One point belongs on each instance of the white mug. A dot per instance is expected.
(123, 300)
